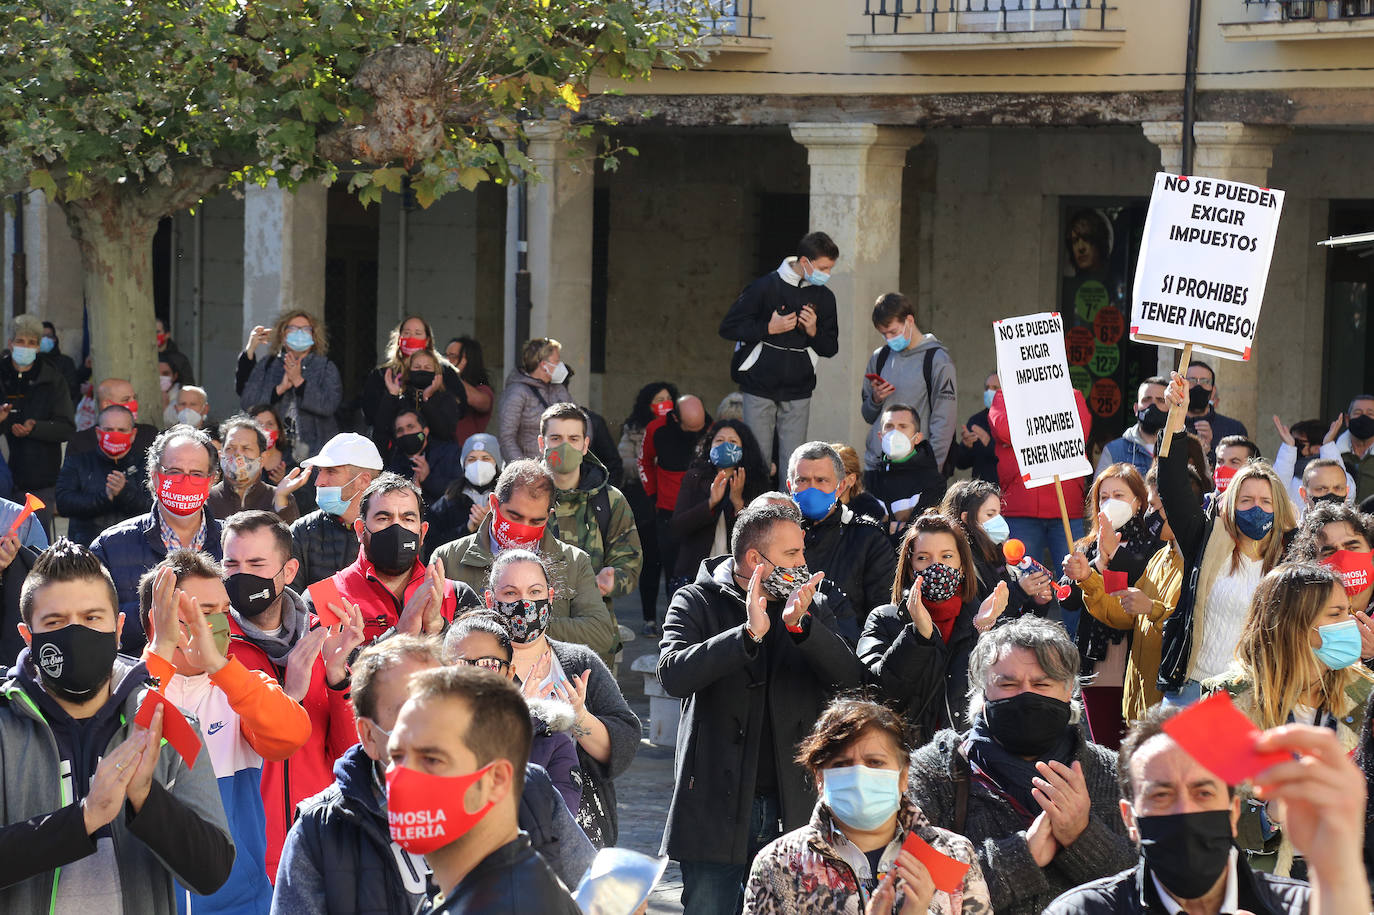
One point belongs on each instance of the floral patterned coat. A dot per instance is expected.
(816, 869)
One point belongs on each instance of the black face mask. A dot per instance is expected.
(1154, 523)
(249, 594)
(1151, 419)
(411, 444)
(420, 380)
(1198, 397)
(1186, 851)
(1027, 724)
(1334, 498)
(1362, 427)
(393, 550)
(74, 661)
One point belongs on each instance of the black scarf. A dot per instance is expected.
(1009, 772)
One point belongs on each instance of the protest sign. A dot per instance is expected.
(1204, 261)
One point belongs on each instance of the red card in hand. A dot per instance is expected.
(945, 872)
(175, 728)
(1113, 581)
(322, 594)
(1222, 739)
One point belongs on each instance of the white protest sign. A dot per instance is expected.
(1046, 430)
(1204, 261)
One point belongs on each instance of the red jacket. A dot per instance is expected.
(310, 769)
(1040, 502)
(659, 482)
(381, 610)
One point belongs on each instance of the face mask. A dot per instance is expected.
(818, 278)
(662, 408)
(161, 340)
(219, 629)
(420, 380)
(239, 468)
(411, 444)
(74, 661)
(897, 446)
(725, 455)
(1152, 419)
(410, 345)
(250, 595)
(23, 355)
(426, 812)
(783, 580)
(997, 529)
(898, 343)
(1355, 569)
(1334, 498)
(558, 373)
(1027, 724)
(1340, 645)
(480, 473)
(1362, 427)
(1198, 398)
(814, 503)
(299, 339)
(1154, 523)
(181, 494)
(988, 396)
(861, 797)
(510, 534)
(563, 458)
(1254, 522)
(528, 618)
(47, 345)
(115, 444)
(130, 405)
(1300, 465)
(940, 582)
(1222, 477)
(192, 418)
(272, 438)
(1186, 851)
(392, 550)
(1118, 512)
(331, 501)
(164, 382)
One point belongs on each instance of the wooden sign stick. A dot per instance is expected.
(1183, 361)
(1063, 513)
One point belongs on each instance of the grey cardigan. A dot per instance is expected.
(315, 401)
(522, 403)
(1017, 885)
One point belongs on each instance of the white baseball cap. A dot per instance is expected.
(347, 448)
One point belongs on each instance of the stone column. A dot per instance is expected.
(1231, 151)
(560, 250)
(856, 198)
(283, 252)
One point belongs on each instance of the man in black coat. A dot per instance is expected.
(749, 646)
(36, 415)
(907, 480)
(98, 489)
(853, 552)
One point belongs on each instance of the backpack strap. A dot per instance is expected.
(601, 509)
(929, 371)
(883, 353)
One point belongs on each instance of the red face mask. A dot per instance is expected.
(272, 438)
(426, 811)
(409, 345)
(130, 405)
(662, 408)
(162, 339)
(115, 444)
(511, 535)
(182, 494)
(1222, 477)
(1355, 568)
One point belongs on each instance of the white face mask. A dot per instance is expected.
(1118, 512)
(558, 373)
(896, 444)
(480, 473)
(164, 382)
(190, 417)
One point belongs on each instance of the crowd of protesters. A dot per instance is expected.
(288, 661)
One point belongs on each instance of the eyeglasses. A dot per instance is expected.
(178, 472)
(1200, 382)
(494, 664)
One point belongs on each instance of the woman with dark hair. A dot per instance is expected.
(725, 475)
(975, 506)
(655, 399)
(465, 355)
(415, 377)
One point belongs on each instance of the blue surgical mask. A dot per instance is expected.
(861, 797)
(46, 345)
(997, 529)
(330, 499)
(897, 343)
(1254, 522)
(988, 395)
(814, 503)
(299, 339)
(23, 355)
(725, 455)
(1340, 646)
(818, 278)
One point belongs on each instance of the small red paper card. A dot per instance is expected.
(1113, 581)
(323, 593)
(945, 872)
(1222, 739)
(175, 728)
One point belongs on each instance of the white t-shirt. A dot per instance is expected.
(1227, 606)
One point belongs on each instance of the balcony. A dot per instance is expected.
(727, 26)
(965, 25)
(1302, 20)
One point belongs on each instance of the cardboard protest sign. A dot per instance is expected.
(1204, 262)
(1046, 430)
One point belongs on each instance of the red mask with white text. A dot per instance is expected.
(272, 437)
(662, 408)
(1355, 568)
(182, 494)
(115, 444)
(130, 405)
(512, 535)
(426, 812)
(1222, 477)
(410, 345)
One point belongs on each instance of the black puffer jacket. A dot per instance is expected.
(856, 555)
(924, 678)
(81, 495)
(323, 544)
(1132, 892)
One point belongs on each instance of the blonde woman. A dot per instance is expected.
(1298, 660)
(537, 383)
(296, 378)
(414, 376)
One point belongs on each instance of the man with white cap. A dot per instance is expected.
(324, 539)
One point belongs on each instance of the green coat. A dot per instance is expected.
(577, 613)
(575, 523)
